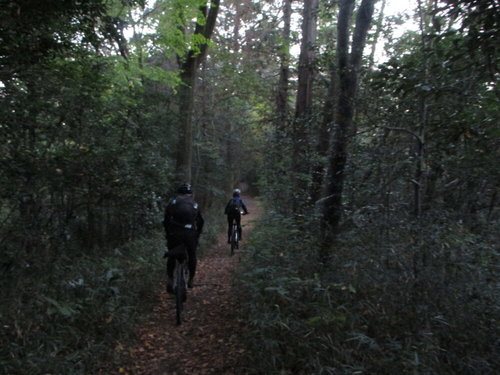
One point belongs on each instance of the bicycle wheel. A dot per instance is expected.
(180, 291)
(234, 239)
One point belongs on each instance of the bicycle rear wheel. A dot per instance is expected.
(234, 239)
(180, 292)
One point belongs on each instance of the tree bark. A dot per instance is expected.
(284, 57)
(236, 27)
(380, 20)
(348, 69)
(304, 96)
(189, 69)
(424, 113)
(324, 133)
(306, 59)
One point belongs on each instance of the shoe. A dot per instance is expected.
(170, 285)
(190, 282)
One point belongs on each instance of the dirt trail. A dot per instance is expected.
(207, 340)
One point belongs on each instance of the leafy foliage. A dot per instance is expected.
(81, 313)
(85, 140)
(400, 302)
(480, 20)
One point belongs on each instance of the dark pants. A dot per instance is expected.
(187, 237)
(230, 219)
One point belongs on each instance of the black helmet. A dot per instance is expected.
(236, 192)
(185, 189)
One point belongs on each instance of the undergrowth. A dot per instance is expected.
(76, 312)
(419, 301)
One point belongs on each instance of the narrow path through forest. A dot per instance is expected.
(207, 340)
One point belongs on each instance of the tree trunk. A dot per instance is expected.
(304, 96)
(185, 142)
(306, 60)
(324, 135)
(236, 27)
(380, 20)
(284, 57)
(418, 183)
(348, 66)
(189, 70)
(424, 11)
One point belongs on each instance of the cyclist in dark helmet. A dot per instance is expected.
(183, 224)
(233, 211)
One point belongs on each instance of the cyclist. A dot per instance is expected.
(183, 224)
(233, 212)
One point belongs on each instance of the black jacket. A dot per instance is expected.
(235, 201)
(183, 213)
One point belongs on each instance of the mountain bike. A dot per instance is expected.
(235, 235)
(181, 275)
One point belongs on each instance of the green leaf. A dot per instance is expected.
(62, 308)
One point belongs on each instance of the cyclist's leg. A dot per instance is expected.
(170, 267)
(170, 274)
(229, 227)
(191, 242)
(173, 241)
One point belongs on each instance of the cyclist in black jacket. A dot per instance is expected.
(233, 212)
(183, 224)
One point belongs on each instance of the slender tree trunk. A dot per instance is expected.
(324, 135)
(418, 182)
(306, 60)
(284, 57)
(204, 168)
(380, 21)
(236, 27)
(304, 97)
(186, 105)
(189, 70)
(348, 66)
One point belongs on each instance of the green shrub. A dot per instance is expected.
(76, 313)
(419, 298)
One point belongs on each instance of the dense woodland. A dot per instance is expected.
(375, 158)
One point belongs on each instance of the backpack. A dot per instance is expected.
(184, 213)
(234, 206)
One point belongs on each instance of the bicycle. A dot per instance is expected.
(181, 275)
(235, 235)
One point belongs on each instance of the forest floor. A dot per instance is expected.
(207, 342)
